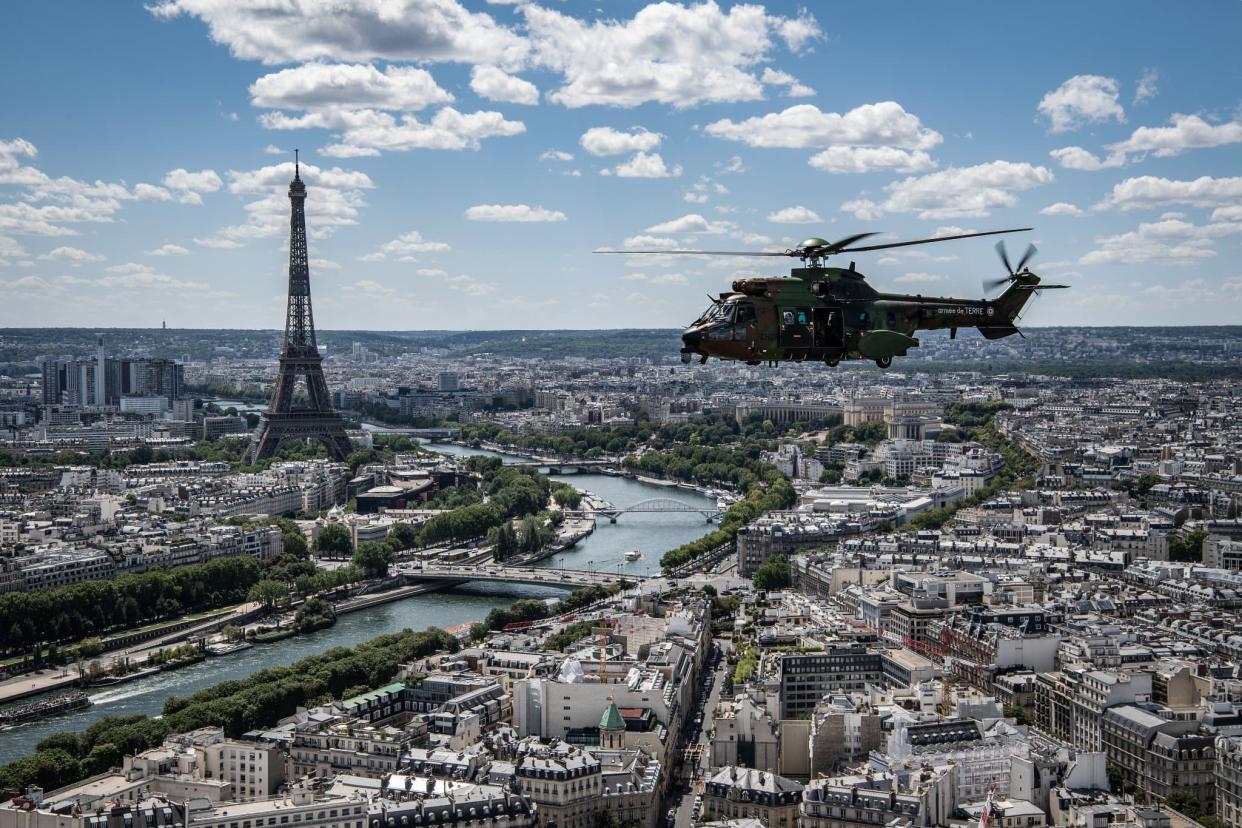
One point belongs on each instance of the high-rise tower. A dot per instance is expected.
(299, 358)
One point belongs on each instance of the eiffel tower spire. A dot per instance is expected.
(299, 357)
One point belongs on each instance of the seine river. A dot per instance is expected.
(651, 534)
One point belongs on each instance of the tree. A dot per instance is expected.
(374, 557)
(1188, 548)
(773, 574)
(404, 535)
(1187, 803)
(294, 544)
(269, 593)
(567, 497)
(1017, 713)
(333, 541)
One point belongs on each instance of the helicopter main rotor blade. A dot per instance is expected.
(698, 252)
(841, 244)
(929, 241)
(1004, 256)
(1026, 256)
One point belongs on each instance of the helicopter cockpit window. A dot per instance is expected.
(719, 313)
(788, 317)
(744, 320)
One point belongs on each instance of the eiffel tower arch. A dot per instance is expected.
(299, 359)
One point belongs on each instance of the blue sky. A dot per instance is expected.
(464, 158)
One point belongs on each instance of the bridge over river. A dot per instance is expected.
(654, 505)
(499, 573)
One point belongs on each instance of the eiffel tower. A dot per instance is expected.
(299, 358)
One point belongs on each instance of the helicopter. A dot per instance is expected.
(830, 314)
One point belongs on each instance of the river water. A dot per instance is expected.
(652, 534)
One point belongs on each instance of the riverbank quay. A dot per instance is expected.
(60, 678)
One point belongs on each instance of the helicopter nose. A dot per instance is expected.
(691, 339)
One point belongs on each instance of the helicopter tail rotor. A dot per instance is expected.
(990, 285)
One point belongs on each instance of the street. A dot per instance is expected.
(700, 749)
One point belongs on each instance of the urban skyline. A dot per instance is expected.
(446, 198)
(492, 539)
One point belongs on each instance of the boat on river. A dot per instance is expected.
(44, 707)
(633, 555)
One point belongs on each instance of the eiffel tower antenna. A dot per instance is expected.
(299, 357)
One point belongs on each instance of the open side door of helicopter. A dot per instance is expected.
(812, 332)
(829, 329)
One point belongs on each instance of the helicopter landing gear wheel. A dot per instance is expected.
(832, 362)
(884, 362)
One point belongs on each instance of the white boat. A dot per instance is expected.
(633, 555)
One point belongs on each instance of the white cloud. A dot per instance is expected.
(1184, 132)
(919, 278)
(608, 141)
(556, 155)
(349, 151)
(305, 30)
(1171, 241)
(642, 242)
(135, 276)
(957, 192)
(272, 149)
(1150, 191)
(405, 245)
(47, 205)
(316, 86)
(1222, 214)
(1081, 100)
(795, 215)
(72, 255)
(803, 126)
(334, 199)
(513, 212)
(656, 279)
(150, 192)
(470, 285)
(690, 223)
(644, 165)
(1077, 158)
(370, 289)
(169, 250)
(430, 272)
(678, 55)
(448, 129)
(1146, 87)
(871, 159)
(793, 87)
(218, 243)
(10, 249)
(1061, 208)
(203, 181)
(692, 197)
(496, 84)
